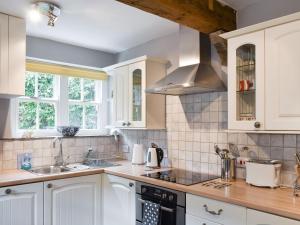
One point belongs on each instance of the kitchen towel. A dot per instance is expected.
(151, 213)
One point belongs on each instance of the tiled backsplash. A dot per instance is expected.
(196, 122)
(43, 153)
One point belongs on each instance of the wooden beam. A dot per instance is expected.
(204, 15)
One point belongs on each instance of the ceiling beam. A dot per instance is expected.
(204, 15)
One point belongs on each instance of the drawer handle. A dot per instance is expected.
(8, 191)
(213, 212)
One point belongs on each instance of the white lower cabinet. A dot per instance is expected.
(118, 200)
(22, 205)
(192, 220)
(74, 201)
(259, 218)
(213, 212)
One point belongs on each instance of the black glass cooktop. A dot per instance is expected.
(178, 176)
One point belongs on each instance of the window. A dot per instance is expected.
(83, 102)
(52, 100)
(38, 110)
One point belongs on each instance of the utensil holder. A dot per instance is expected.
(297, 181)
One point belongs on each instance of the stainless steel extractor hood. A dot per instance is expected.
(195, 74)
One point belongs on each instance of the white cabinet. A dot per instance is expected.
(12, 56)
(259, 218)
(263, 76)
(118, 200)
(132, 107)
(199, 210)
(283, 77)
(22, 205)
(73, 201)
(246, 82)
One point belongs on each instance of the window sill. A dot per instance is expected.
(51, 137)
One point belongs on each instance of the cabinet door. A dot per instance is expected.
(192, 220)
(17, 58)
(73, 201)
(137, 97)
(21, 205)
(260, 218)
(3, 53)
(246, 82)
(118, 201)
(120, 97)
(283, 77)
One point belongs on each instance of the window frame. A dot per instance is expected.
(61, 104)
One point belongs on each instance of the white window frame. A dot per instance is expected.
(61, 103)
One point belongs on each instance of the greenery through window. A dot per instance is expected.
(38, 110)
(49, 97)
(83, 108)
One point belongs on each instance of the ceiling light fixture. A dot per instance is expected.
(49, 9)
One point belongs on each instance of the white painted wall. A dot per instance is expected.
(265, 10)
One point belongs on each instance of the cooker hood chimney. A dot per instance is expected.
(195, 73)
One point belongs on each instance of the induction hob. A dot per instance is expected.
(178, 176)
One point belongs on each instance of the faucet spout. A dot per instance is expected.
(59, 160)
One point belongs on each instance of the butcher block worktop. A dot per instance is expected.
(278, 201)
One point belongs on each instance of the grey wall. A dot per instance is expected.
(57, 51)
(266, 10)
(165, 47)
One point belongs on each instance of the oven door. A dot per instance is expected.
(170, 215)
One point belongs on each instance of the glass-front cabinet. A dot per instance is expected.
(246, 82)
(137, 94)
(131, 107)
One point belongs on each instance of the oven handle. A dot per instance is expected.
(161, 207)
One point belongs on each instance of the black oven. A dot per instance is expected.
(172, 203)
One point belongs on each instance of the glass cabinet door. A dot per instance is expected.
(246, 82)
(137, 94)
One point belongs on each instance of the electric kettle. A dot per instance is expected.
(154, 156)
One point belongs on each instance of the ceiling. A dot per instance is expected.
(97, 24)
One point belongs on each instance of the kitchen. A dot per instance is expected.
(175, 120)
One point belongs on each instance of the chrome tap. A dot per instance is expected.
(59, 160)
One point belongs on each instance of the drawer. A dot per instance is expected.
(192, 220)
(216, 211)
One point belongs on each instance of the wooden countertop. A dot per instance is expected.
(278, 201)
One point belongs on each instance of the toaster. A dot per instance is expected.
(263, 173)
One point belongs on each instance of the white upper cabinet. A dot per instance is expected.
(246, 82)
(259, 218)
(73, 201)
(132, 107)
(264, 76)
(22, 205)
(283, 77)
(12, 56)
(118, 201)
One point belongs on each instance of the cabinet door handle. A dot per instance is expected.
(128, 124)
(131, 184)
(8, 191)
(123, 124)
(49, 185)
(257, 124)
(213, 212)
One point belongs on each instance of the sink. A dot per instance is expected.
(50, 170)
(101, 163)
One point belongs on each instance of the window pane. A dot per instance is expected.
(90, 117)
(47, 116)
(89, 90)
(74, 88)
(45, 85)
(75, 115)
(30, 84)
(27, 115)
